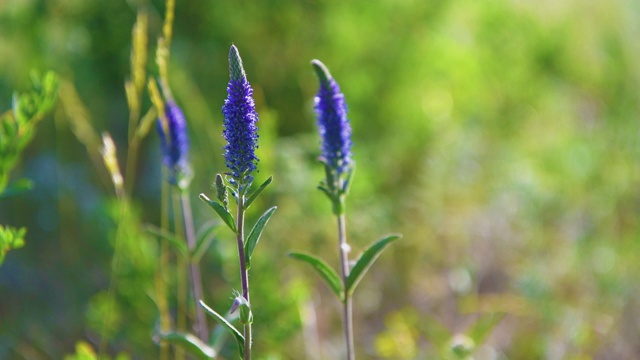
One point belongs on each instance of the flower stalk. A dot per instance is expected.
(174, 141)
(347, 305)
(240, 131)
(194, 267)
(244, 274)
(335, 135)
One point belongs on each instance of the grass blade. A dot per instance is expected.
(173, 240)
(203, 240)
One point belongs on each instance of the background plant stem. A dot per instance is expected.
(196, 278)
(105, 332)
(182, 283)
(163, 263)
(347, 313)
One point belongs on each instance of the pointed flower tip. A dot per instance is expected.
(236, 71)
(321, 71)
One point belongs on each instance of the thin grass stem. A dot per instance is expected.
(194, 267)
(113, 277)
(163, 264)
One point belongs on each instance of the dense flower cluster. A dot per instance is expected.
(174, 144)
(240, 119)
(333, 124)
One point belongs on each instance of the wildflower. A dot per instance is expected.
(175, 144)
(240, 119)
(333, 124)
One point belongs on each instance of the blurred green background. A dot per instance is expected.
(500, 137)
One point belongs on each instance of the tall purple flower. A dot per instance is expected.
(333, 124)
(175, 144)
(240, 119)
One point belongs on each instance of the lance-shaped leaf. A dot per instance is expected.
(203, 240)
(173, 240)
(254, 235)
(365, 261)
(236, 334)
(190, 343)
(255, 194)
(325, 272)
(221, 211)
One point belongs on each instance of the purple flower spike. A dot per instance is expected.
(240, 119)
(333, 124)
(175, 146)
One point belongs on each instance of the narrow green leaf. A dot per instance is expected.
(437, 334)
(190, 343)
(236, 334)
(325, 272)
(347, 183)
(173, 240)
(254, 235)
(221, 211)
(16, 188)
(218, 337)
(483, 326)
(365, 261)
(326, 192)
(255, 194)
(203, 240)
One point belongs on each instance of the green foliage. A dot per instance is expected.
(365, 261)
(325, 271)
(18, 128)
(177, 244)
(222, 212)
(360, 268)
(204, 239)
(190, 343)
(255, 233)
(499, 137)
(10, 239)
(251, 198)
(16, 132)
(401, 339)
(133, 267)
(227, 325)
(16, 188)
(84, 351)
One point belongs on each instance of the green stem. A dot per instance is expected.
(244, 274)
(182, 283)
(106, 330)
(347, 310)
(163, 263)
(196, 278)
